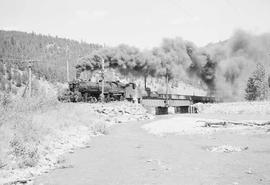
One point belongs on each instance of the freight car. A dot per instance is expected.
(87, 91)
(193, 98)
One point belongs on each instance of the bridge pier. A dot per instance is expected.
(171, 110)
(182, 109)
(192, 109)
(161, 110)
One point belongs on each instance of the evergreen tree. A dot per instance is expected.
(251, 90)
(257, 87)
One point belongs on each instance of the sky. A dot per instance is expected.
(140, 23)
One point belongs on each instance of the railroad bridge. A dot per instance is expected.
(161, 103)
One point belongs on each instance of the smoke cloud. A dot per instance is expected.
(236, 60)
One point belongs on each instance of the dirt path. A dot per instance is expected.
(130, 156)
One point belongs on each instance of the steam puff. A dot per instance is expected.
(223, 68)
(237, 59)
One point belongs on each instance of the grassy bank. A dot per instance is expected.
(35, 132)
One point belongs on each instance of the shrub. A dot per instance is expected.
(14, 90)
(9, 86)
(2, 71)
(5, 99)
(25, 133)
(2, 85)
(17, 79)
(2, 163)
(35, 86)
(100, 128)
(8, 71)
(9, 76)
(24, 78)
(20, 132)
(25, 150)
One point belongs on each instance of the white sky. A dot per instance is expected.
(142, 23)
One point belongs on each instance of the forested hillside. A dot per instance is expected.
(228, 69)
(50, 53)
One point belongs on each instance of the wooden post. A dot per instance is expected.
(102, 78)
(30, 78)
(145, 79)
(167, 81)
(67, 71)
(67, 63)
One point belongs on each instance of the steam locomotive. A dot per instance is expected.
(87, 91)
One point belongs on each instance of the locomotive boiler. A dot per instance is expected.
(87, 91)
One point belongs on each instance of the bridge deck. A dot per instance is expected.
(162, 103)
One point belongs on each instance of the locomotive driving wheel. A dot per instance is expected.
(122, 98)
(107, 98)
(93, 99)
(77, 96)
(85, 97)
